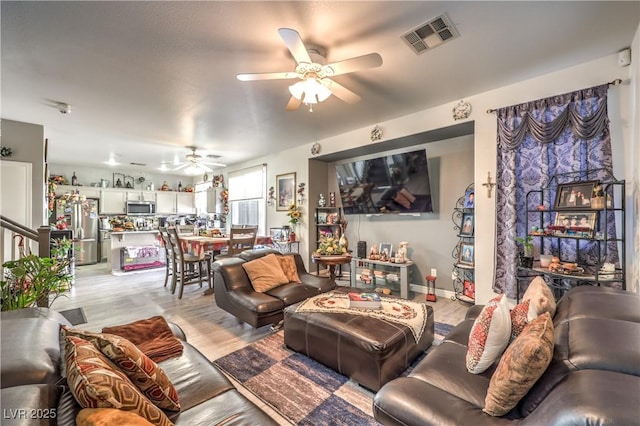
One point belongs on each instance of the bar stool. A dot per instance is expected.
(190, 269)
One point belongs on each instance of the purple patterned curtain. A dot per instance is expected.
(536, 141)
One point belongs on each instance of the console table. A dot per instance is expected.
(371, 264)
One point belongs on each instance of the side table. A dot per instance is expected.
(332, 261)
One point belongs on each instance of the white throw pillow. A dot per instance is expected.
(489, 335)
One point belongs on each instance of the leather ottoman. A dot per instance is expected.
(369, 350)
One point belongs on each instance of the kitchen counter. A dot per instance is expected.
(121, 239)
(155, 231)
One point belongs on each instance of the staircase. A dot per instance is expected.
(18, 235)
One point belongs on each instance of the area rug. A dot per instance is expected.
(300, 389)
(74, 316)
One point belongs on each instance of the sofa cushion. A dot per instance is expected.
(521, 366)
(288, 265)
(109, 416)
(489, 335)
(265, 273)
(541, 297)
(138, 367)
(96, 383)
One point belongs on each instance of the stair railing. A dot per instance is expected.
(17, 233)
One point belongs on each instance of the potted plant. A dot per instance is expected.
(526, 255)
(31, 280)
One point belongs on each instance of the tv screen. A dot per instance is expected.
(396, 183)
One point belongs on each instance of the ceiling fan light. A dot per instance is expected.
(193, 169)
(297, 90)
(310, 91)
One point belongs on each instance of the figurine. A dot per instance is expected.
(373, 253)
(165, 186)
(322, 202)
(402, 255)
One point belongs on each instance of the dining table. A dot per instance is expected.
(199, 245)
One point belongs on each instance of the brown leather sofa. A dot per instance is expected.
(34, 391)
(593, 378)
(234, 293)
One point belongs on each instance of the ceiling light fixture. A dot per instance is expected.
(194, 169)
(310, 90)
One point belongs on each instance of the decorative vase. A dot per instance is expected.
(344, 243)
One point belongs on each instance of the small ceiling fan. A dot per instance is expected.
(196, 161)
(315, 84)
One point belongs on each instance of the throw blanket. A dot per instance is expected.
(405, 312)
(152, 336)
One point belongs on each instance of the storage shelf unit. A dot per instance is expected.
(463, 274)
(326, 222)
(593, 248)
(401, 271)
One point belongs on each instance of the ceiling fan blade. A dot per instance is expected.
(210, 163)
(339, 91)
(182, 166)
(372, 60)
(295, 44)
(267, 76)
(293, 104)
(205, 168)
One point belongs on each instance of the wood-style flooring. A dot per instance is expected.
(111, 300)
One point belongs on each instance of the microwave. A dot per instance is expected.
(140, 208)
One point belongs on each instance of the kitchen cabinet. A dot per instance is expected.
(112, 202)
(185, 203)
(87, 191)
(141, 196)
(166, 202)
(214, 203)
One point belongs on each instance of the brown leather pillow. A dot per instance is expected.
(521, 365)
(265, 273)
(288, 265)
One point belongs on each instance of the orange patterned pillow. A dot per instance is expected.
(96, 383)
(139, 368)
(489, 335)
(288, 265)
(519, 319)
(522, 364)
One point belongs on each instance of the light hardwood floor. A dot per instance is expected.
(111, 300)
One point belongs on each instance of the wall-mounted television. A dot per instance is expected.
(395, 183)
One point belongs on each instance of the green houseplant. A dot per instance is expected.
(526, 255)
(31, 280)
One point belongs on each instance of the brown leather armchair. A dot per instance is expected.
(234, 293)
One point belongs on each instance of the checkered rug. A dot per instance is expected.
(302, 390)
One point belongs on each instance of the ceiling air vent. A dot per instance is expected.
(429, 35)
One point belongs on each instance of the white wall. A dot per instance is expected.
(26, 141)
(578, 77)
(632, 169)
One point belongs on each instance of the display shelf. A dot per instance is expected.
(463, 273)
(589, 246)
(381, 274)
(327, 223)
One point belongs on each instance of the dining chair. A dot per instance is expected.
(190, 269)
(185, 229)
(240, 239)
(170, 262)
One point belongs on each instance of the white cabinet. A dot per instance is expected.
(87, 191)
(141, 196)
(165, 202)
(185, 202)
(112, 201)
(214, 204)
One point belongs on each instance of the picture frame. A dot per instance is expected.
(285, 191)
(467, 225)
(574, 223)
(469, 198)
(466, 254)
(469, 289)
(575, 195)
(388, 247)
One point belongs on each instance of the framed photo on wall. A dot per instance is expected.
(575, 195)
(466, 226)
(466, 254)
(285, 191)
(577, 223)
(469, 198)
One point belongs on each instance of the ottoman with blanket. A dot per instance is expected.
(371, 346)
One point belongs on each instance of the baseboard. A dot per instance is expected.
(439, 292)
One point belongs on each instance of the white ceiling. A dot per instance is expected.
(146, 79)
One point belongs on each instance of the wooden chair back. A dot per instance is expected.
(241, 239)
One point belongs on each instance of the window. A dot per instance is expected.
(247, 201)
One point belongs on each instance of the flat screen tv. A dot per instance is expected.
(396, 183)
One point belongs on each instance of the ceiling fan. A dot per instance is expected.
(196, 163)
(315, 84)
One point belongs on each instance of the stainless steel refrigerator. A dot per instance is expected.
(82, 218)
